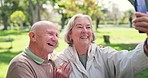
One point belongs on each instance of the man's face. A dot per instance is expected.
(47, 38)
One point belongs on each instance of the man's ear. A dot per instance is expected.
(32, 36)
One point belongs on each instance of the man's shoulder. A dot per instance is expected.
(20, 58)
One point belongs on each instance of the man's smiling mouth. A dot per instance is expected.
(50, 44)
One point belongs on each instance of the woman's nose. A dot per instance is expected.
(84, 29)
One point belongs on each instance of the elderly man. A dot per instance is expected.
(33, 62)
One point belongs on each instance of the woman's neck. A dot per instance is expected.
(82, 50)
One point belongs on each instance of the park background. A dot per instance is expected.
(111, 18)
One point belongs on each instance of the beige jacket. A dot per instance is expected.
(105, 62)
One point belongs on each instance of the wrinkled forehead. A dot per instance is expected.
(51, 28)
(48, 28)
(82, 20)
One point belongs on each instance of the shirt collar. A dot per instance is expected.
(91, 51)
(33, 56)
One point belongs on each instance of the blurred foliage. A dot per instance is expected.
(6, 9)
(35, 10)
(17, 18)
(67, 8)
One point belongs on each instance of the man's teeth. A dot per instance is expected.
(50, 44)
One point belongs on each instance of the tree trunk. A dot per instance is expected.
(35, 10)
(4, 18)
(130, 21)
(63, 19)
(97, 23)
(106, 39)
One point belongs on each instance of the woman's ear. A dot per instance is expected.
(69, 35)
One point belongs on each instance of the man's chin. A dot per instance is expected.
(49, 52)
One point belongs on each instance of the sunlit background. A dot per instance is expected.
(110, 19)
(25, 12)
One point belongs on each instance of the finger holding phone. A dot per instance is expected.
(141, 20)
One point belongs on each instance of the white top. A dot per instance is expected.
(105, 62)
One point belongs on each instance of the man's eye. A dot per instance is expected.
(57, 35)
(88, 27)
(50, 33)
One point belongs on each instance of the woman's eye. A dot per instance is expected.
(80, 27)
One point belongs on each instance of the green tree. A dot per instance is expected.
(68, 8)
(17, 18)
(6, 9)
(37, 9)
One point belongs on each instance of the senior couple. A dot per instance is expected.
(82, 58)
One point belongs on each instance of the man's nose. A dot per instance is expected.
(55, 38)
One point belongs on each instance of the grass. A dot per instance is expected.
(120, 38)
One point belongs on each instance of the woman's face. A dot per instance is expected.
(81, 33)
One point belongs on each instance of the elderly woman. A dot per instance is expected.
(90, 61)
